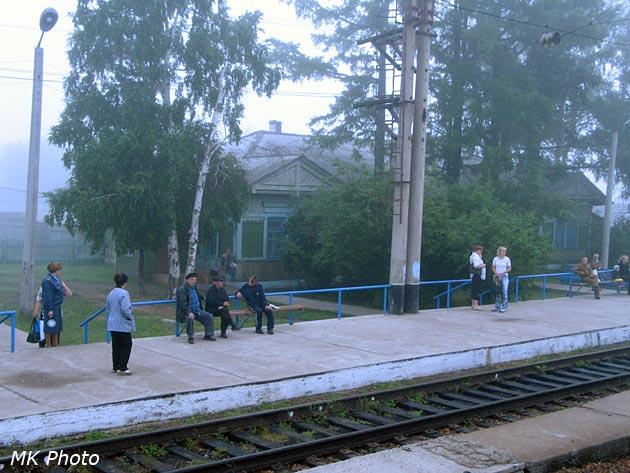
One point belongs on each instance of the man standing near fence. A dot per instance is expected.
(189, 309)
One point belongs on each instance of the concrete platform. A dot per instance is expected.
(51, 392)
(525, 445)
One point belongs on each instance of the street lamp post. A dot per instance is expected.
(610, 188)
(47, 20)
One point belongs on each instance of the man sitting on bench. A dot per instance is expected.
(189, 309)
(622, 271)
(589, 277)
(255, 298)
(217, 303)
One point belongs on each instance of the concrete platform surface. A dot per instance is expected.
(444, 455)
(49, 392)
(508, 447)
(559, 433)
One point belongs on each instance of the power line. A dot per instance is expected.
(12, 69)
(29, 79)
(535, 25)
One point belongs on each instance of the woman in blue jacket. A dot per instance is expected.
(53, 292)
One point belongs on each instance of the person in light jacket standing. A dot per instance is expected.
(501, 266)
(120, 324)
(477, 275)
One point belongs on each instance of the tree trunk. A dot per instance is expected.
(174, 269)
(211, 147)
(455, 163)
(141, 288)
(172, 246)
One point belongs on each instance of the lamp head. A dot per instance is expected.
(48, 19)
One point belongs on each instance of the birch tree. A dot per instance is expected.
(189, 63)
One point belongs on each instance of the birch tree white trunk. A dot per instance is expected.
(211, 146)
(172, 246)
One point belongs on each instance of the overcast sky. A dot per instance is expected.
(294, 104)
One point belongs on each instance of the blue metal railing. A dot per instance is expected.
(291, 294)
(10, 314)
(449, 291)
(459, 284)
(569, 276)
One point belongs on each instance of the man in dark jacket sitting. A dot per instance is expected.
(217, 303)
(255, 297)
(189, 309)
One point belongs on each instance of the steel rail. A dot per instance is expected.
(538, 384)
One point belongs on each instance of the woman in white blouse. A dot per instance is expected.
(477, 274)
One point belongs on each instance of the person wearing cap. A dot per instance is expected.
(188, 309)
(217, 303)
(254, 295)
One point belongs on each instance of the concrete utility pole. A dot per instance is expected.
(401, 164)
(47, 20)
(610, 189)
(418, 158)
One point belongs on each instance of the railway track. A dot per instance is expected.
(276, 437)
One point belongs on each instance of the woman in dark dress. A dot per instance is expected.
(53, 292)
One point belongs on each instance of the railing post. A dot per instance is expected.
(85, 332)
(339, 304)
(385, 300)
(176, 327)
(290, 316)
(13, 321)
(570, 285)
(517, 288)
(448, 295)
(544, 287)
(238, 317)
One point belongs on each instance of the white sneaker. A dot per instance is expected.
(125, 373)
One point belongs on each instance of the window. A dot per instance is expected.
(567, 235)
(253, 233)
(275, 234)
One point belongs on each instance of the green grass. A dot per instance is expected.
(91, 284)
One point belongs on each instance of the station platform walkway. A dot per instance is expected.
(595, 430)
(52, 392)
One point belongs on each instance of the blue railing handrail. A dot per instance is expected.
(13, 315)
(340, 290)
(332, 289)
(569, 274)
(464, 284)
(442, 281)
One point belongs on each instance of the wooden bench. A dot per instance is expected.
(605, 281)
(247, 312)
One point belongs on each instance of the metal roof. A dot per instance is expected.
(262, 152)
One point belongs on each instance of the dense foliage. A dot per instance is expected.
(619, 240)
(503, 104)
(151, 85)
(344, 233)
